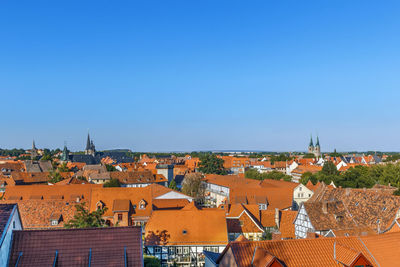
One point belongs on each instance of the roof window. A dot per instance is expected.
(184, 232)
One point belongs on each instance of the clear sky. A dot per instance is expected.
(196, 75)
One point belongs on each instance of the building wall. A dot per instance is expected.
(182, 255)
(302, 224)
(301, 194)
(14, 224)
(168, 172)
(217, 193)
(228, 260)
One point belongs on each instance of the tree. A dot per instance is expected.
(172, 185)
(112, 183)
(329, 168)
(308, 176)
(309, 156)
(151, 261)
(110, 168)
(85, 219)
(210, 163)
(45, 157)
(193, 186)
(63, 167)
(55, 177)
(274, 175)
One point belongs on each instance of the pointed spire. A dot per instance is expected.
(311, 142)
(317, 144)
(88, 143)
(33, 145)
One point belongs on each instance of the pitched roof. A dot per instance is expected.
(296, 252)
(169, 203)
(189, 225)
(107, 195)
(372, 208)
(78, 247)
(286, 225)
(5, 213)
(37, 214)
(138, 177)
(67, 192)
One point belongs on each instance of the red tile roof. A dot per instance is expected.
(110, 246)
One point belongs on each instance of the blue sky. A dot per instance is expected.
(197, 75)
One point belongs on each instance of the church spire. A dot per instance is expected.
(33, 145)
(311, 142)
(317, 144)
(88, 143)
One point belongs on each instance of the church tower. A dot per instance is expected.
(34, 153)
(90, 149)
(65, 154)
(317, 149)
(311, 146)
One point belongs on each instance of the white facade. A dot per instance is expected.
(217, 194)
(183, 255)
(174, 195)
(302, 223)
(291, 167)
(14, 223)
(301, 194)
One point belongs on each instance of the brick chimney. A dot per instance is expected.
(324, 207)
(277, 217)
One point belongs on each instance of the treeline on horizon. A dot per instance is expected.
(274, 156)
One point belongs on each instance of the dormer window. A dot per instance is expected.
(384, 208)
(142, 204)
(262, 206)
(54, 222)
(356, 204)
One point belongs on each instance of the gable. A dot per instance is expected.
(174, 195)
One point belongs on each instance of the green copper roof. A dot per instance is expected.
(317, 144)
(311, 142)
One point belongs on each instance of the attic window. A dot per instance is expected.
(384, 208)
(356, 204)
(378, 221)
(54, 222)
(184, 232)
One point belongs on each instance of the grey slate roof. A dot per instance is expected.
(5, 213)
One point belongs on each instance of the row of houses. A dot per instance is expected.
(111, 246)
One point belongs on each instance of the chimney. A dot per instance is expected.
(325, 207)
(277, 217)
(348, 191)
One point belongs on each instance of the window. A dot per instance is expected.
(179, 250)
(119, 216)
(300, 188)
(157, 250)
(185, 250)
(13, 224)
(54, 222)
(241, 222)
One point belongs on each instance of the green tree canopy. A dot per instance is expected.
(85, 219)
(274, 175)
(112, 183)
(210, 163)
(110, 168)
(172, 185)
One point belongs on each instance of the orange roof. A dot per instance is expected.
(286, 226)
(307, 168)
(169, 203)
(188, 226)
(67, 192)
(377, 249)
(107, 195)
